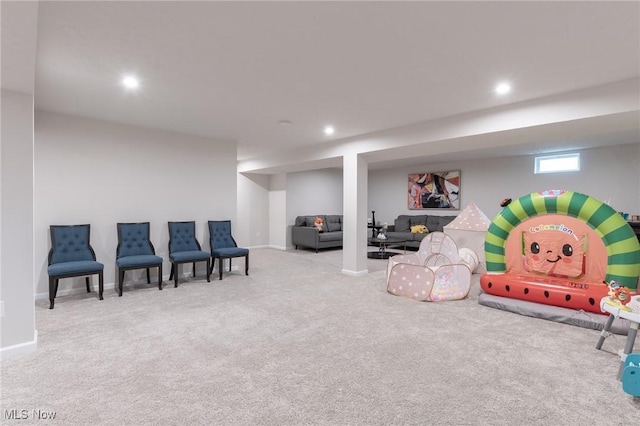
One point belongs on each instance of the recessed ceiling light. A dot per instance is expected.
(503, 88)
(130, 82)
(328, 130)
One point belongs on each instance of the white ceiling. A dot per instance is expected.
(233, 70)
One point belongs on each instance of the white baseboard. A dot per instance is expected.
(21, 348)
(355, 273)
(112, 285)
(269, 246)
(77, 290)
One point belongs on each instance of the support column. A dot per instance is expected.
(354, 240)
(17, 328)
(19, 24)
(279, 229)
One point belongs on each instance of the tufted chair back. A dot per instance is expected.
(70, 243)
(220, 234)
(182, 237)
(133, 240)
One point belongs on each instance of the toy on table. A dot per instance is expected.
(619, 295)
(382, 235)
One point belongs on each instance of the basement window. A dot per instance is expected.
(558, 163)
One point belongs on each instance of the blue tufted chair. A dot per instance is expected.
(223, 246)
(185, 248)
(135, 251)
(71, 255)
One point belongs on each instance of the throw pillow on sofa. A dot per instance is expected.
(419, 229)
(402, 224)
(334, 223)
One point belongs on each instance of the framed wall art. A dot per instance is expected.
(440, 190)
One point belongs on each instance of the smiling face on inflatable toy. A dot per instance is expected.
(554, 249)
(559, 248)
(556, 246)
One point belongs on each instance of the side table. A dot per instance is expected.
(383, 245)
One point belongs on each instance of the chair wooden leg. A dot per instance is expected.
(246, 264)
(194, 269)
(229, 264)
(120, 280)
(220, 266)
(88, 286)
(213, 263)
(52, 291)
(160, 277)
(208, 271)
(171, 273)
(100, 284)
(148, 277)
(175, 275)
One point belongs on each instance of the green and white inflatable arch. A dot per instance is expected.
(622, 245)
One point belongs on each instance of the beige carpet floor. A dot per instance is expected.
(297, 342)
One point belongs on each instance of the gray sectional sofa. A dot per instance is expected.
(401, 227)
(304, 233)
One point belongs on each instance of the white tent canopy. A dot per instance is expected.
(469, 230)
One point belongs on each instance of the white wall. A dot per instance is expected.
(311, 193)
(252, 228)
(314, 192)
(89, 171)
(609, 174)
(269, 204)
(17, 327)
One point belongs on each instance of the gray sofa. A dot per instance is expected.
(304, 234)
(401, 227)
